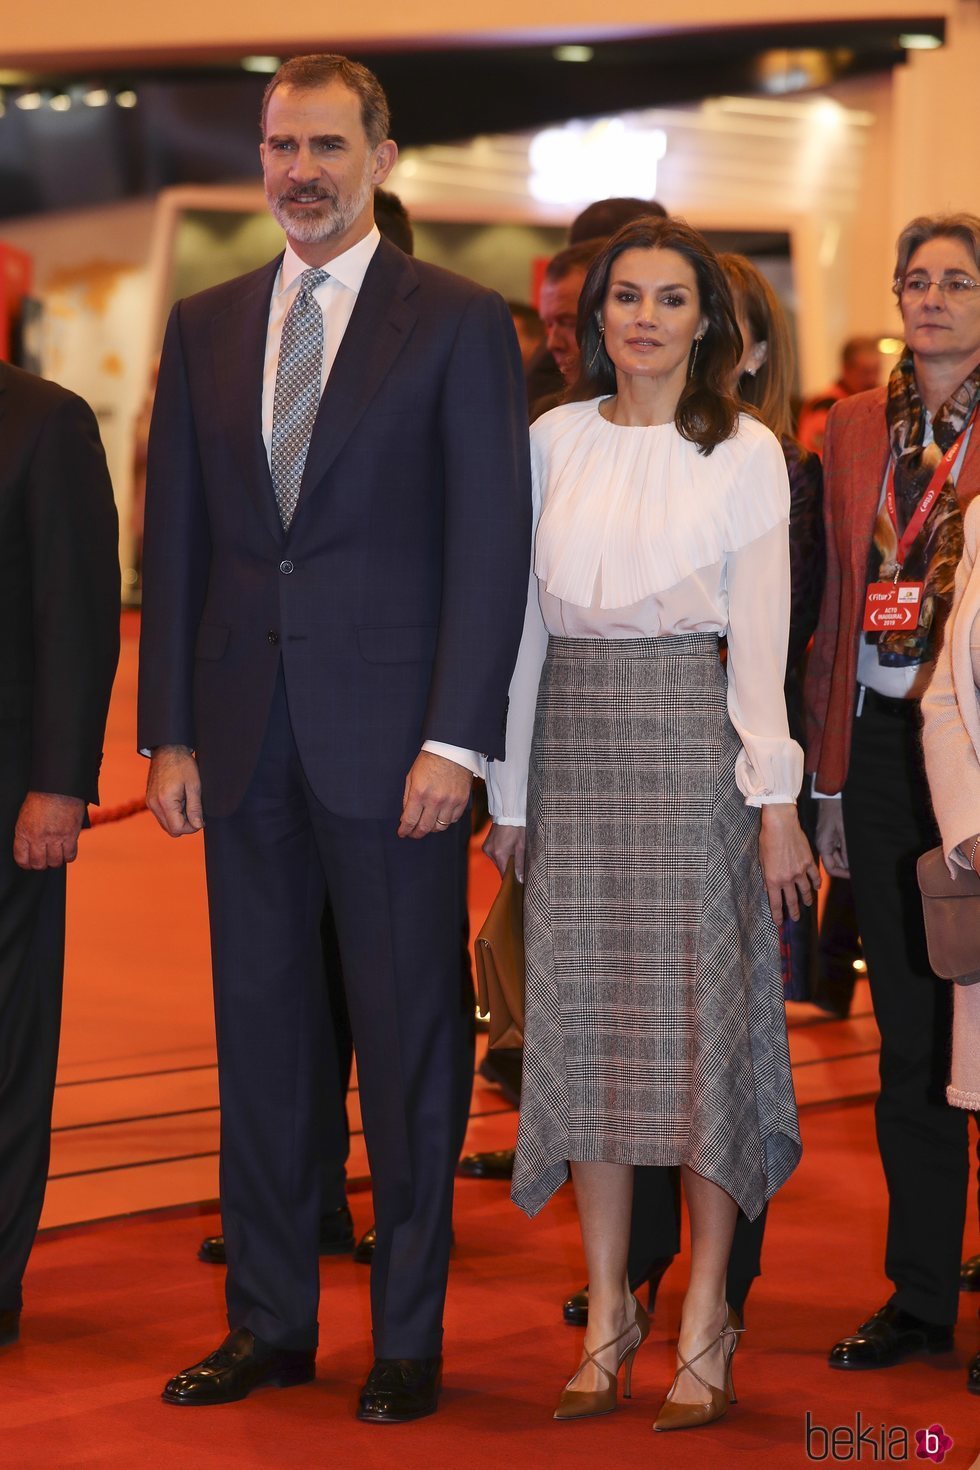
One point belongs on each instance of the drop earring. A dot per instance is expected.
(697, 344)
(598, 347)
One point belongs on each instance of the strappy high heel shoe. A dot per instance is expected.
(689, 1416)
(581, 1404)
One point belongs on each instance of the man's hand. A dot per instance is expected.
(436, 793)
(46, 831)
(504, 843)
(831, 844)
(173, 790)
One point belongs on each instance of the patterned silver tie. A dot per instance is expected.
(297, 395)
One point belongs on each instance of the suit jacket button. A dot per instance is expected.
(285, 567)
(273, 636)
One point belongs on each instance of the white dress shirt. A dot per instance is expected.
(336, 298)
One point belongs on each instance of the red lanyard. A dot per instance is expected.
(921, 512)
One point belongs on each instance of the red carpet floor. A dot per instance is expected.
(114, 1308)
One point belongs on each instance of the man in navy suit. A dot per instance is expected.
(59, 642)
(324, 661)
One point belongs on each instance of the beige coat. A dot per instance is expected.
(951, 739)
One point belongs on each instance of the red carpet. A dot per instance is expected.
(113, 1309)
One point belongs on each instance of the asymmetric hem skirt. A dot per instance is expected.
(655, 1028)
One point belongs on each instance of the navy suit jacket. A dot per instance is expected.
(59, 591)
(395, 601)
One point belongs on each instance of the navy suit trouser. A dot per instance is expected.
(32, 948)
(396, 905)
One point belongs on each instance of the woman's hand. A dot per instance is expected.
(788, 865)
(504, 843)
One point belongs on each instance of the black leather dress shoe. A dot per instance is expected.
(9, 1326)
(400, 1389)
(336, 1232)
(240, 1364)
(889, 1337)
(364, 1249)
(970, 1274)
(973, 1375)
(498, 1163)
(575, 1309)
(336, 1238)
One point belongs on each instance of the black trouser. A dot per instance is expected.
(655, 1233)
(838, 947)
(888, 823)
(396, 905)
(32, 950)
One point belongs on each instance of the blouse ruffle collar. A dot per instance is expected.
(629, 512)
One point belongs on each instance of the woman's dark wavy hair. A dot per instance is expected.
(706, 413)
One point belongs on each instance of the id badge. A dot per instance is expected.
(892, 605)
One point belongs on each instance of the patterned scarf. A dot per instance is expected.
(935, 554)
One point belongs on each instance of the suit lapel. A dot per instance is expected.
(238, 339)
(379, 327)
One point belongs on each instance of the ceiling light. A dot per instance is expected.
(60, 103)
(261, 63)
(919, 41)
(126, 98)
(95, 97)
(578, 162)
(889, 346)
(573, 53)
(29, 101)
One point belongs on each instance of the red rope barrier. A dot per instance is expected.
(99, 815)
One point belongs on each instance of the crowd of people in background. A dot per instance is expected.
(365, 585)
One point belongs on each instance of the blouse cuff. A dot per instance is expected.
(771, 773)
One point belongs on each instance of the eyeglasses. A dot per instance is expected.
(916, 288)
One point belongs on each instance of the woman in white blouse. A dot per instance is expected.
(655, 1031)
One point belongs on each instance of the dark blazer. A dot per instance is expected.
(59, 589)
(855, 458)
(396, 599)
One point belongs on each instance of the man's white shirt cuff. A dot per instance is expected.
(470, 760)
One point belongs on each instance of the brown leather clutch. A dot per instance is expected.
(499, 951)
(951, 908)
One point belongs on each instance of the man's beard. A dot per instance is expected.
(333, 216)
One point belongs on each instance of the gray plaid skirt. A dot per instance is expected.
(655, 1030)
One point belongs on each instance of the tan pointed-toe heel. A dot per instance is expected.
(733, 1331)
(691, 1416)
(580, 1404)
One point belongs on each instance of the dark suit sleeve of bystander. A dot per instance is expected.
(176, 556)
(73, 537)
(487, 531)
(820, 669)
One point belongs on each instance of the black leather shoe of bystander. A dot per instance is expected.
(889, 1337)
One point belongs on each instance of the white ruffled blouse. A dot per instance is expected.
(637, 534)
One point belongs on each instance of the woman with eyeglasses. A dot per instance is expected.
(901, 464)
